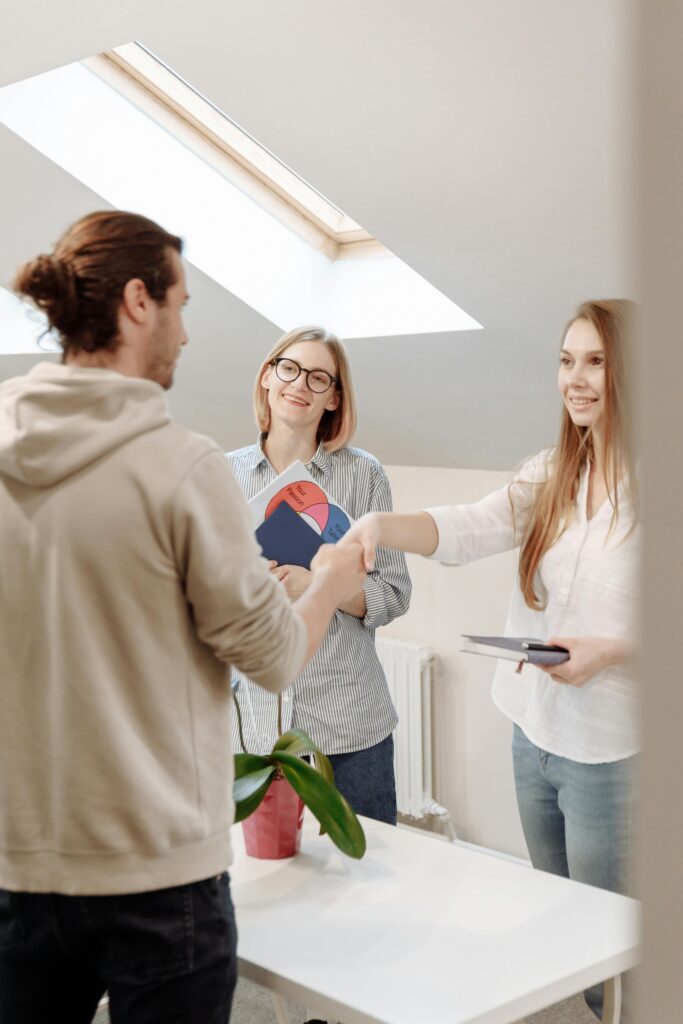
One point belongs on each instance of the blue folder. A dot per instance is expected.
(286, 538)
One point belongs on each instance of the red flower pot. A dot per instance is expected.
(274, 829)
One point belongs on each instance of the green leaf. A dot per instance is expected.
(249, 790)
(326, 803)
(296, 741)
(246, 763)
(323, 765)
(248, 784)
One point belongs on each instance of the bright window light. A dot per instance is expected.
(136, 161)
(23, 328)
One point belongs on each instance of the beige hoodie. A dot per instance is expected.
(129, 579)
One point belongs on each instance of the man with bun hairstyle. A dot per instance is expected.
(130, 581)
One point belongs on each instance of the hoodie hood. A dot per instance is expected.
(58, 419)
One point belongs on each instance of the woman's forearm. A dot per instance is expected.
(617, 651)
(414, 532)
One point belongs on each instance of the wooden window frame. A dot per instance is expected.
(155, 89)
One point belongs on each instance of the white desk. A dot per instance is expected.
(423, 931)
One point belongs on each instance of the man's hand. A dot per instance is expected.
(337, 572)
(588, 655)
(366, 532)
(340, 566)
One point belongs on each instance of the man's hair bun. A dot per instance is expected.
(51, 283)
(80, 285)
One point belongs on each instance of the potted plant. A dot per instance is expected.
(270, 792)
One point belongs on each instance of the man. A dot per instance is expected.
(130, 581)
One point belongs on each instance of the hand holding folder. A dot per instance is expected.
(515, 649)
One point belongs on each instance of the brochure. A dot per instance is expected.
(309, 505)
(316, 508)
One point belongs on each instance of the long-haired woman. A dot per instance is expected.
(305, 409)
(571, 510)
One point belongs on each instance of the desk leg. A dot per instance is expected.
(611, 1007)
(281, 1014)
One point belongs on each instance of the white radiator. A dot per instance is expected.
(408, 668)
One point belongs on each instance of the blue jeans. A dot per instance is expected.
(578, 819)
(166, 956)
(366, 779)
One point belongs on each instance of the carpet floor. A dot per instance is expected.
(253, 1005)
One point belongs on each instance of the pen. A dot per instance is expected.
(536, 645)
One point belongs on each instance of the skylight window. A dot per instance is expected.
(143, 140)
(171, 101)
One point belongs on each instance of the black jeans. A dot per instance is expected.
(166, 956)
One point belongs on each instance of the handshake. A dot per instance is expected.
(342, 567)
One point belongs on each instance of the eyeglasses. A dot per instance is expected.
(289, 370)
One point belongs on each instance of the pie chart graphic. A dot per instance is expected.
(329, 521)
(337, 525)
(300, 495)
(317, 516)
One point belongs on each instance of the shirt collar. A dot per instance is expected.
(256, 455)
(321, 459)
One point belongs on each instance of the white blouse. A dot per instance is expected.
(590, 576)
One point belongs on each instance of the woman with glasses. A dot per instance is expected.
(571, 510)
(305, 410)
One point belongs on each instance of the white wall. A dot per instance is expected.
(472, 760)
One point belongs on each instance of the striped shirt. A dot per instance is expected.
(341, 698)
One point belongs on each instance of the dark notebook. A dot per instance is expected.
(516, 648)
(286, 538)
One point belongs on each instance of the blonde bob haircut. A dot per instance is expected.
(337, 426)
